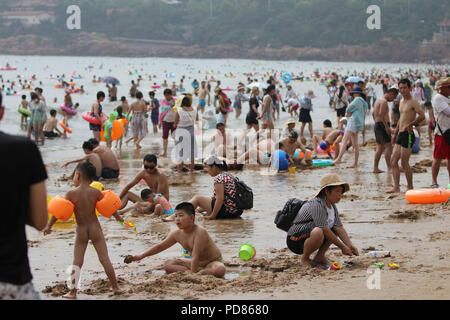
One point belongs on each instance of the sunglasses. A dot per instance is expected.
(148, 167)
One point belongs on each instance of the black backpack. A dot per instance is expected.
(284, 218)
(244, 195)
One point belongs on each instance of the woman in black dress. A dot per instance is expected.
(253, 113)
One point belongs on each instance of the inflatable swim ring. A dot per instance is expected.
(71, 220)
(61, 208)
(181, 89)
(299, 154)
(66, 129)
(195, 86)
(69, 111)
(58, 86)
(25, 112)
(109, 204)
(91, 119)
(156, 87)
(286, 77)
(116, 131)
(322, 162)
(427, 195)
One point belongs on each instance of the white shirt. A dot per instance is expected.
(293, 102)
(441, 103)
(290, 94)
(331, 217)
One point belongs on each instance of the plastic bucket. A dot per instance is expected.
(246, 252)
(292, 169)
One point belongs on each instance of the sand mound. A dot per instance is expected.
(59, 289)
(411, 214)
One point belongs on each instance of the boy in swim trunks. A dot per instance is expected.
(206, 256)
(149, 201)
(85, 198)
(382, 129)
(50, 125)
(411, 114)
(333, 138)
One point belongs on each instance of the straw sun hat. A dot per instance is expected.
(444, 82)
(330, 180)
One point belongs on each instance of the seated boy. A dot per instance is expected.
(151, 201)
(206, 256)
(333, 138)
(92, 157)
(50, 125)
(85, 198)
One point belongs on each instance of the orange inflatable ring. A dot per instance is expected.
(427, 195)
(109, 204)
(116, 131)
(66, 129)
(61, 208)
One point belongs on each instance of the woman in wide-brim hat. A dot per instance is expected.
(317, 224)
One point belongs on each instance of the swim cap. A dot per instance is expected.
(324, 146)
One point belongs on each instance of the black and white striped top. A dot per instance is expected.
(313, 214)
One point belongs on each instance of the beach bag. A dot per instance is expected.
(243, 196)
(445, 134)
(284, 218)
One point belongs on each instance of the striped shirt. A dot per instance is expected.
(313, 214)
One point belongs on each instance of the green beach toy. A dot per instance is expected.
(322, 162)
(379, 264)
(448, 186)
(27, 113)
(246, 252)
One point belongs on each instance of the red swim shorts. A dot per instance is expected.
(441, 148)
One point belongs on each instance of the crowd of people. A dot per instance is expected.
(317, 224)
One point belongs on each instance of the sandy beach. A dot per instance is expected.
(416, 235)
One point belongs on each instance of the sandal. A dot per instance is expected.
(434, 186)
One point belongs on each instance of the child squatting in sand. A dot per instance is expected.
(206, 256)
(84, 197)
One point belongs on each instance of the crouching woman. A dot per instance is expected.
(317, 224)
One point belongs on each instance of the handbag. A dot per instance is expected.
(445, 134)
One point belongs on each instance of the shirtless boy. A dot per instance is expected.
(411, 114)
(202, 93)
(110, 165)
(206, 256)
(92, 157)
(383, 129)
(85, 199)
(50, 125)
(155, 180)
(291, 144)
(333, 138)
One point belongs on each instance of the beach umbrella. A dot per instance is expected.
(353, 79)
(109, 80)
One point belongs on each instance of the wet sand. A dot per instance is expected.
(417, 236)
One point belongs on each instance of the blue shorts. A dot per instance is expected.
(171, 211)
(201, 103)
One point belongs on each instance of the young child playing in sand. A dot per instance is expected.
(85, 198)
(151, 200)
(206, 256)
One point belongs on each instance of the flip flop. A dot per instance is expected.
(434, 186)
